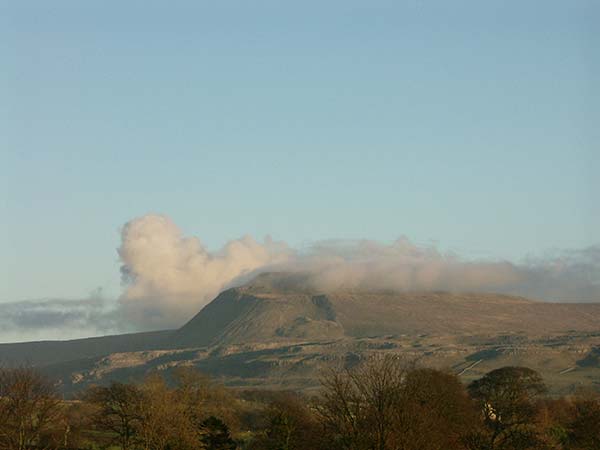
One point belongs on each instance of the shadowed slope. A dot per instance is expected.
(52, 352)
(239, 315)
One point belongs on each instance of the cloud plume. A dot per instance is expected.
(168, 277)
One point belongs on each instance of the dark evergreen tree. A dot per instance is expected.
(216, 435)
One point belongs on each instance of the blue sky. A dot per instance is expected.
(472, 124)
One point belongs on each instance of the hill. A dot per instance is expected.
(278, 307)
(277, 331)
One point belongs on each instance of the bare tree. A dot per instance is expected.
(388, 404)
(153, 416)
(29, 409)
(165, 421)
(116, 411)
(358, 405)
(202, 397)
(289, 424)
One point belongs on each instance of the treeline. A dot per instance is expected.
(382, 404)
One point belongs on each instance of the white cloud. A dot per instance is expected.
(169, 277)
